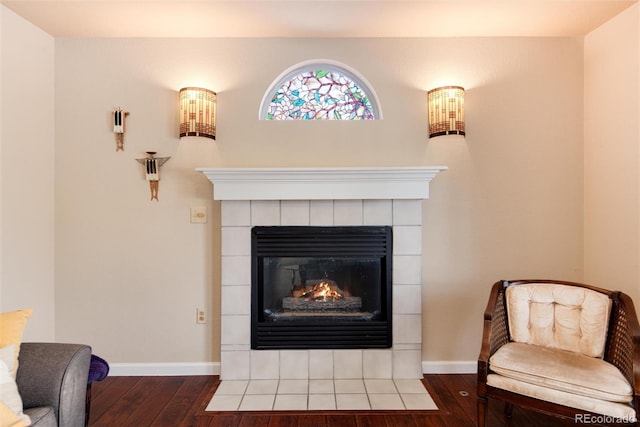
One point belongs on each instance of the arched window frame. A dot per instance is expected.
(323, 64)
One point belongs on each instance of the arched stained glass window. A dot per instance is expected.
(319, 91)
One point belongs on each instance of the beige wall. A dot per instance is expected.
(130, 272)
(26, 173)
(510, 205)
(612, 154)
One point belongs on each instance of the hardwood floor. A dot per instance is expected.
(180, 402)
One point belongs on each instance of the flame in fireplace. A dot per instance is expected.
(322, 291)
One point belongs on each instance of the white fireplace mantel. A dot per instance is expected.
(314, 183)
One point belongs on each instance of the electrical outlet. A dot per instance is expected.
(201, 315)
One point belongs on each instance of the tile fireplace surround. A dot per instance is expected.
(321, 197)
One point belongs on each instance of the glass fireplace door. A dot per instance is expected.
(321, 287)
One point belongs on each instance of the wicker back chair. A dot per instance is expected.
(622, 349)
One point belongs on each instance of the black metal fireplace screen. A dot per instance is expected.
(321, 287)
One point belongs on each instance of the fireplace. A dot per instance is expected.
(320, 197)
(321, 287)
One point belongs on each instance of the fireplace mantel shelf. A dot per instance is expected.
(343, 183)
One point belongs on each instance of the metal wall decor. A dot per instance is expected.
(118, 118)
(152, 166)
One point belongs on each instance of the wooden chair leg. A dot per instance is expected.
(482, 411)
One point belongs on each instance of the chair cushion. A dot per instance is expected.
(620, 412)
(559, 316)
(13, 324)
(10, 399)
(561, 370)
(42, 416)
(8, 418)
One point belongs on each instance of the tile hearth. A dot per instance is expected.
(303, 395)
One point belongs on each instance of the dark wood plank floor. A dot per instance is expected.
(180, 402)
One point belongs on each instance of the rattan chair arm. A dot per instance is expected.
(489, 327)
(496, 290)
(634, 330)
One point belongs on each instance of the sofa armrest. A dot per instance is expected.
(55, 374)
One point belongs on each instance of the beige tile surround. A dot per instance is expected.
(402, 361)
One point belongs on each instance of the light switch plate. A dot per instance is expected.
(198, 215)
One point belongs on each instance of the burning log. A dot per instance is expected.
(320, 295)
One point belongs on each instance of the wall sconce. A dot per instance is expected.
(446, 111)
(197, 112)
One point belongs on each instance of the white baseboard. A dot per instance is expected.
(213, 368)
(449, 367)
(163, 369)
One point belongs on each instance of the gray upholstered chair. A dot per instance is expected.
(52, 380)
(562, 348)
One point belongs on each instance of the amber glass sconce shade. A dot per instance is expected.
(446, 111)
(197, 112)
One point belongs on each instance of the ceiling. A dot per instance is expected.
(313, 18)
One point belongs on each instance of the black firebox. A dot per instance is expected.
(321, 287)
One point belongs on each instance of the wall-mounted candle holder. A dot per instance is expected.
(118, 117)
(152, 166)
